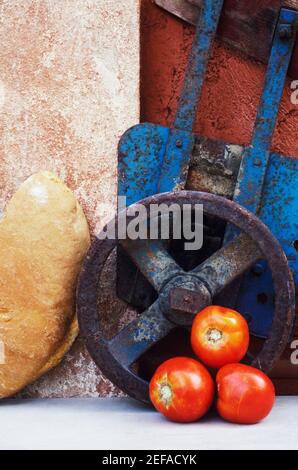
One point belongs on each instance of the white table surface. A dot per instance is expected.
(125, 424)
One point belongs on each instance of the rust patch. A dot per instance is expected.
(231, 93)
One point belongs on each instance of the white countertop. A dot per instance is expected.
(115, 423)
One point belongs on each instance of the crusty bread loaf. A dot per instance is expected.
(43, 239)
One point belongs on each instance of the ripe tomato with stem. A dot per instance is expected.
(219, 336)
(182, 389)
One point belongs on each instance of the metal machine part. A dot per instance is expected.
(214, 167)
(181, 294)
(266, 183)
(157, 160)
(154, 159)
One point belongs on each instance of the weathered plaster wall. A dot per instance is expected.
(69, 87)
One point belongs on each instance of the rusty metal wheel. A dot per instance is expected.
(181, 294)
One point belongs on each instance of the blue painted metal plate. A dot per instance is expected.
(268, 183)
(155, 159)
(152, 159)
(141, 153)
(279, 211)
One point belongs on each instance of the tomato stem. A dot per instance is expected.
(214, 335)
(165, 394)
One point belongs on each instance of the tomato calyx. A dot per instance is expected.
(219, 336)
(214, 335)
(182, 389)
(165, 393)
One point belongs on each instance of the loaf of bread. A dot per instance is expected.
(43, 239)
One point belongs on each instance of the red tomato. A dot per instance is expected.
(219, 336)
(245, 394)
(182, 389)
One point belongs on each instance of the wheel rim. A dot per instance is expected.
(87, 292)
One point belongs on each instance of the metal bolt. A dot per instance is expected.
(258, 269)
(257, 162)
(285, 32)
(179, 144)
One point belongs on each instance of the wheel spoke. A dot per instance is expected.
(139, 335)
(228, 263)
(153, 260)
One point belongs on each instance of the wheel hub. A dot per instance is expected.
(182, 298)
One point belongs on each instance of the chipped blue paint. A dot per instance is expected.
(152, 158)
(197, 64)
(141, 153)
(255, 159)
(155, 159)
(268, 184)
(279, 211)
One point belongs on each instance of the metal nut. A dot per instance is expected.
(285, 32)
(257, 162)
